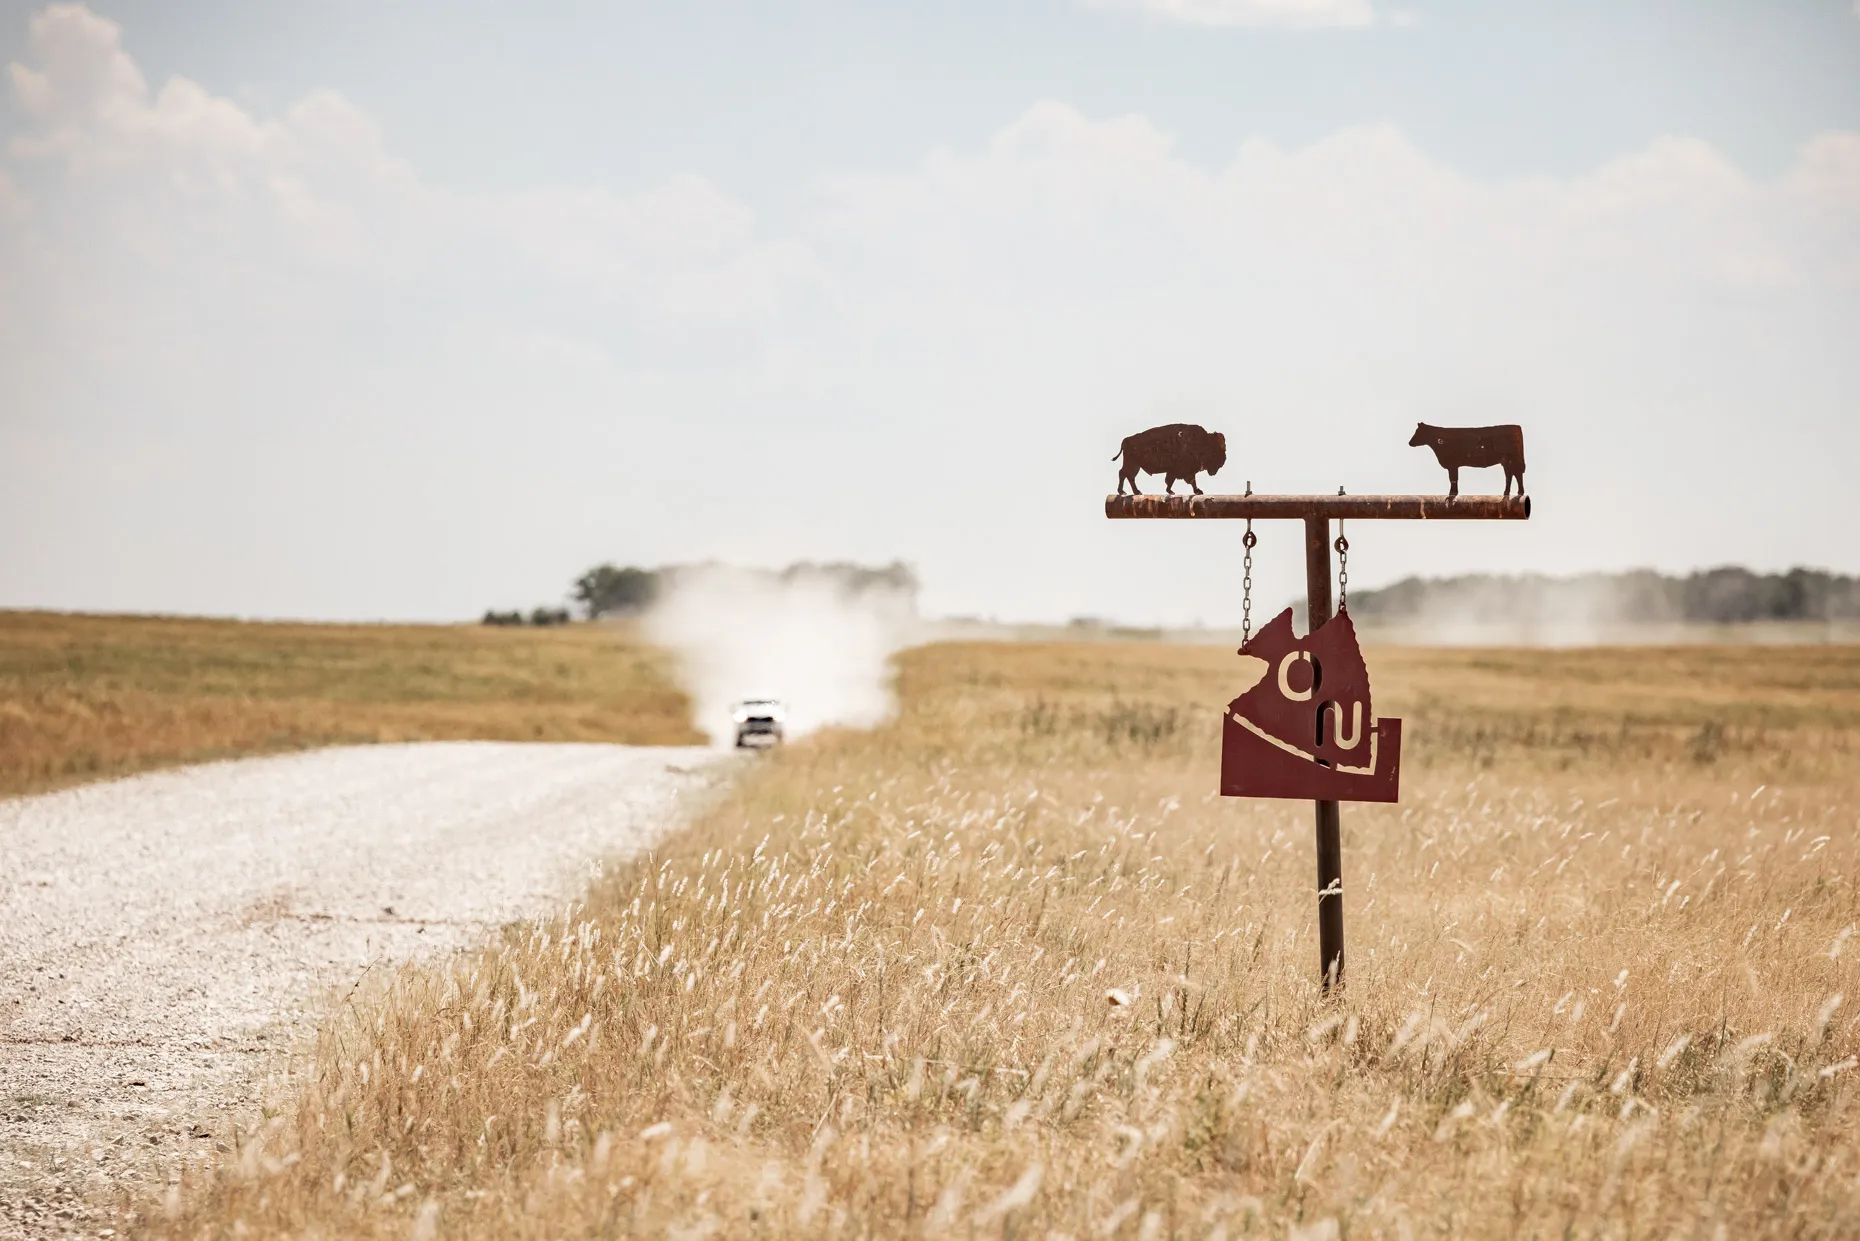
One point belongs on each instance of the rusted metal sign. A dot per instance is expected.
(1307, 728)
(1297, 731)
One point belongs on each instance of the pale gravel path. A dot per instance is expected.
(166, 938)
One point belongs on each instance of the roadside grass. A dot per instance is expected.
(1007, 968)
(89, 697)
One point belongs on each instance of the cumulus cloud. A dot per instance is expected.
(1305, 14)
(1055, 184)
(83, 74)
(180, 164)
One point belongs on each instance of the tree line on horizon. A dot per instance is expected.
(617, 591)
(1727, 595)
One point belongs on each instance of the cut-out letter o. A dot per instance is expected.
(1285, 684)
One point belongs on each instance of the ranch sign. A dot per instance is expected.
(1307, 728)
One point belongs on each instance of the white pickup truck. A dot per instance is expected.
(759, 721)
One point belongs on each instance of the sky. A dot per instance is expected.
(403, 310)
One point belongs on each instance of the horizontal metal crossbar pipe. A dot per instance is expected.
(1355, 508)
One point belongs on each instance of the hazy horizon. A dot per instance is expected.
(402, 313)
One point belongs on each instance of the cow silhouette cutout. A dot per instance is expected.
(1458, 448)
(1179, 451)
(1306, 728)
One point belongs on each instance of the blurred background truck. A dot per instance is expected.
(759, 722)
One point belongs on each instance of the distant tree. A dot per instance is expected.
(607, 590)
(549, 616)
(494, 617)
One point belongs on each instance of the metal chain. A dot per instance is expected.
(1246, 581)
(1343, 565)
(1343, 568)
(1246, 585)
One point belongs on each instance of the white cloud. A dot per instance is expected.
(1298, 14)
(1096, 239)
(183, 163)
(84, 74)
(208, 307)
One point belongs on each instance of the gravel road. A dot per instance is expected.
(166, 939)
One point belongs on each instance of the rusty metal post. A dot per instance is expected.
(1329, 820)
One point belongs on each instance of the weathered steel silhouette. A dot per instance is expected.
(1474, 447)
(1180, 451)
(1307, 728)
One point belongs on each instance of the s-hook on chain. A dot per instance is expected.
(1343, 564)
(1246, 581)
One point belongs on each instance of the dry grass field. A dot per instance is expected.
(1006, 968)
(85, 697)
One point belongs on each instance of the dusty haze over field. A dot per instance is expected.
(809, 638)
(396, 312)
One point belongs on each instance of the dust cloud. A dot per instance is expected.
(1728, 604)
(818, 637)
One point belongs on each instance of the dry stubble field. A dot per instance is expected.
(88, 697)
(1006, 968)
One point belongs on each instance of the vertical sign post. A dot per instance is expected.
(1327, 774)
(1329, 817)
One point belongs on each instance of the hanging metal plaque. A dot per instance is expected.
(1307, 728)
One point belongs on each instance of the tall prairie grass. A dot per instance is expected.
(1007, 968)
(86, 697)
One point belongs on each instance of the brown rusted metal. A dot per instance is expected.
(1178, 451)
(1329, 820)
(1356, 508)
(1262, 754)
(1458, 448)
(1308, 728)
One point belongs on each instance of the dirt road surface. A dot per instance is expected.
(165, 940)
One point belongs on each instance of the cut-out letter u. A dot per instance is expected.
(1345, 741)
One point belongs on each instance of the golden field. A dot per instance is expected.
(87, 697)
(1007, 968)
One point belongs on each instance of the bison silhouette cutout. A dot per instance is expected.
(1307, 729)
(1457, 448)
(1178, 451)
